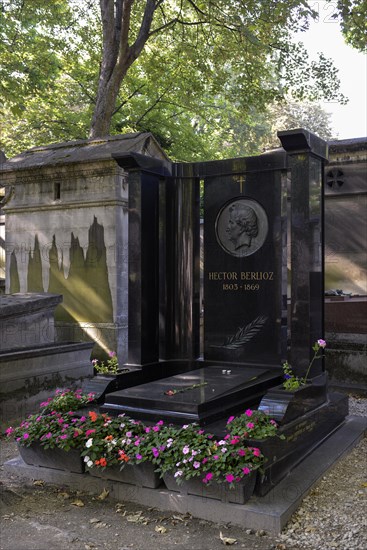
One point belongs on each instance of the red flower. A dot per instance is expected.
(123, 456)
(93, 416)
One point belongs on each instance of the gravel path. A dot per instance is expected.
(334, 514)
(38, 516)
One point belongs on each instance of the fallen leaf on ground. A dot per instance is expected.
(103, 495)
(364, 484)
(64, 495)
(39, 483)
(78, 502)
(227, 540)
(160, 529)
(135, 518)
(94, 520)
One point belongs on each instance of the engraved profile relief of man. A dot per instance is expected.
(242, 225)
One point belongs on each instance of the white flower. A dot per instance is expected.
(224, 449)
(178, 473)
(185, 426)
(86, 459)
(89, 443)
(90, 463)
(221, 442)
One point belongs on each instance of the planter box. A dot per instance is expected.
(240, 494)
(285, 406)
(58, 459)
(140, 475)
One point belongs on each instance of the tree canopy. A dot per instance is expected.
(192, 72)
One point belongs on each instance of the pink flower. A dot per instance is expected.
(230, 478)
(234, 440)
(186, 450)
(112, 353)
(83, 418)
(241, 452)
(321, 343)
(196, 465)
(160, 423)
(205, 460)
(155, 452)
(25, 436)
(215, 457)
(246, 471)
(139, 457)
(156, 428)
(89, 432)
(63, 436)
(208, 477)
(147, 430)
(256, 452)
(250, 425)
(227, 437)
(248, 412)
(9, 431)
(230, 419)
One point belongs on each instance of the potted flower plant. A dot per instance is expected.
(194, 462)
(54, 437)
(117, 449)
(293, 382)
(110, 367)
(108, 376)
(297, 395)
(255, 428)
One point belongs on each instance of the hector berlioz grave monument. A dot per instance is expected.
(263, 295)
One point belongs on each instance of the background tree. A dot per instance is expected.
(352, 15)
(192, 72)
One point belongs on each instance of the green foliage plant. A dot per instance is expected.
(293, 382)
(111, 366)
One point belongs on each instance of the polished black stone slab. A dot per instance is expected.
(302, 436)
(285, 406)
(245, 284)
(201, 395)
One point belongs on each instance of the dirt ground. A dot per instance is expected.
(39, 516)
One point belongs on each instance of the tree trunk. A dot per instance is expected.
(118, 56)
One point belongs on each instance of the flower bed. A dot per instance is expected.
(120, 448)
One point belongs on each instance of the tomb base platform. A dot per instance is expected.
(202, 395)
(269, 513)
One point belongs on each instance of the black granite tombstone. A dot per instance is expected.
(263, 272)
(263, 294)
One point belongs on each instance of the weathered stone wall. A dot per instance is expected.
(67, 233)
(345, 216)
